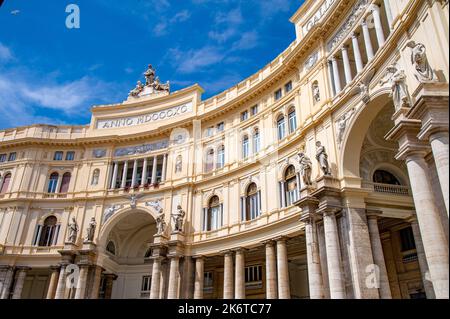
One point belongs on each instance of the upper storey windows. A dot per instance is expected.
(244, 116)
(278, 94)
(59, 156)
(247, 114)
(288, 87)
(10, 157)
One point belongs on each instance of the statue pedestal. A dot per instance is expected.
(69, 246)
(177, 236)
(159, 239)
(306, 191)
(89, 245)
(147, 93)
(327, 181)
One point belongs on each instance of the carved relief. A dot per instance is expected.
(141, 149)
(110, 211)
(399, 89)
(341, 125)
(422, 69)
(316, 92)
(311, 61)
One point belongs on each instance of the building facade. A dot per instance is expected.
(324, 175)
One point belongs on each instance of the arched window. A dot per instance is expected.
(384, 177)
(220, 156)
(292, 118)
(245, 147)
(53, 182)
(5, 183)
(213, 214)
(65, 183)
(47, 233)
(256, 141)
(111, 248)
(281, 127)
(209, 165)
(95, 177)
(291, 185)
(252, 202)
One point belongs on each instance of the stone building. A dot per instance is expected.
(324, 175)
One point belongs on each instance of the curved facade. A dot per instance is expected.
(324, 175)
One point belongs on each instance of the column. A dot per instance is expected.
(61, 288)
(439, 146)
(375, 9)
(433, 237)
(164, 168)
(367, 41)
(334, 263)
(378, 256)
(357, 53)
(7, 283)
(173, 277)
(53, 282)
(96, 285)
(284, 291)
(81, 284)
(134, 176)
(271, 271)
(109, 278)
(323, 260)
(228, 276)
(144, 172)
(239, 292)
(316, 290)
(283, 194)
(331, 78)
(114, 176)
(387, 8)
(124, 174)
(155, 162)
(18, 286)
(336, 75)
(427, 284)
(199, 277)
(156, 278)
(58, 183)
(346, 60)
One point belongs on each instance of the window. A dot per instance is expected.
(256, 141)
(208, 282)
(146, 283)
(221, 156)
(65, 183)
(252, 202)
(407, 239)
(244, 115)
(2, 158)
(111, 248)
(58, 156)
(5, 183)
(12, 157)
(220, 127)
(47, 234)
(70, 156)
(291, 185)
(52, 183)
(213, 214)
(210, 131)
(292, 121)
(384, 177)
(278, 94)
(254, 110)
(288, 87)
(253, 277)
(209, 165)
(281, 127)
(245, 147)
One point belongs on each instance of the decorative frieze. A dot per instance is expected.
(99, 153)
(141, 149)
(311, 61)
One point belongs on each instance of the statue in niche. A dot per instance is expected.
(316, 92)
(422, 69)
(399, 90)
(322, 158)
(73, 231)
(341, 124)
(305, 168)
(178, 164)
(95, 177)
(90, 232)
(178, 218)
(138, 89)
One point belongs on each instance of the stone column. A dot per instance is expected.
(81, 284)
(144, 172)
(439, 146)
(336, 75)
(387, 7)
(347, 68)
(271, 271)
(334, 261)
(134, 176)
(331, 80)
(284, 291)
(375, 9)
(228, 276)
(109, 278)
(53, 282)
(61, 288)
(323, 260)
(367, 41)
(378, 256)
(239, 292)
(7, 283)
(114, 177)
(96, 285)
(357, 53)
(283, 195)
(427, 284)
(156, 278)
(199, 277)
(58, 183)
(174, 277)
(164, 168)
(124, 174)
(155, 163)
(18, 286)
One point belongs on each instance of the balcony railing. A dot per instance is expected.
(388, 188)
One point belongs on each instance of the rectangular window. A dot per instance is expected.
(278, 94)
(210, 131)
(254, 110)
(208, 279)
(253, 277)
(244, 115)
(292, 122)
(288, 87)
(220, 127)
(12, 157)
(58, 156)
(2, 158)
(70, 156)
(407, 239)
(146, 283)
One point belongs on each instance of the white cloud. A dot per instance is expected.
(5, 53)
(195, 60)
(227, 25)
(162, 27)
(248, 41)
(180, 16)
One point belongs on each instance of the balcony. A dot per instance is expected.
(388, 188)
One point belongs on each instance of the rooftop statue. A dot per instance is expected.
(152, 84)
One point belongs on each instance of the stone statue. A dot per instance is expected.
(90, 232)
(73, 231)
(322, 158)
(158, 86)
(316, 92)
(178, 218)
(160, 223)
(422, 69)
(399, 90)
(138, 89)
(178, 164)
(305, 168)
(110, 211)
(95, 177)
(133, 199)
(341, 124)
(149, 75)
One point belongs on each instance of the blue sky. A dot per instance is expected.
(51, 74)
